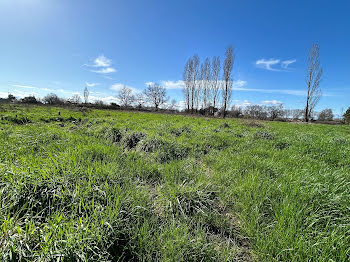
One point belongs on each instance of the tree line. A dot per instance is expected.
(208, 91)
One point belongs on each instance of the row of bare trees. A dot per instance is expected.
(203, 82)
(203, 85)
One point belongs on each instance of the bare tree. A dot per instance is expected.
(140, 100)
(326, 115)
(75, 99)
(125, 96)
(156, 94)
(52, 99)
(200, 87)
(297, 114)
(86, 95)
(275, 112)
(215, 84)
(187, 78)
(205, 82)
(227, 86)
(313, 79)
(256, 112)
(195, 81)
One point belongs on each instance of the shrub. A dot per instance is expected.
(53, 99)
(130, 140)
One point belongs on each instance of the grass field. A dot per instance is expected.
(118, 186)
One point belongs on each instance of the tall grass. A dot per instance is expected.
(120, 186)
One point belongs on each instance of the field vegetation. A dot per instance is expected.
(104, 185)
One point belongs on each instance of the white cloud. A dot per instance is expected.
(18, 93)
(119, 86)
(266, 64)
(3, 94)
(23, 86)
(279, 91)
(173, 84)
(269, 63)
(272, 102)
(149, 83)
(47, 89)
(242, 103)
(102, 61)
(106, 70)
(286, 63)
(103, 64)
(104, 99)
(238, 84)
(181, 105)
(91, 84)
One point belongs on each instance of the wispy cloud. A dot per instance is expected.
(179, 84)
(91, 84)
(286, 63)
(272, 102)
(23, 86)
(107, 70)
(243, 103)
(239, 86)
(246, 103)
(102, 64)
(280, 91)
(267, 64)
(19, 93)
(274, 64)
(173, 84)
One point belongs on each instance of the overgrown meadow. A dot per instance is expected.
(99, 185)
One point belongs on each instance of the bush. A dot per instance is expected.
(30, 100)
(53, 99)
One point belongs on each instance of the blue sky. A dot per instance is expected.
(62, 45)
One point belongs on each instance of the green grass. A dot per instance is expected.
(118, 186)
